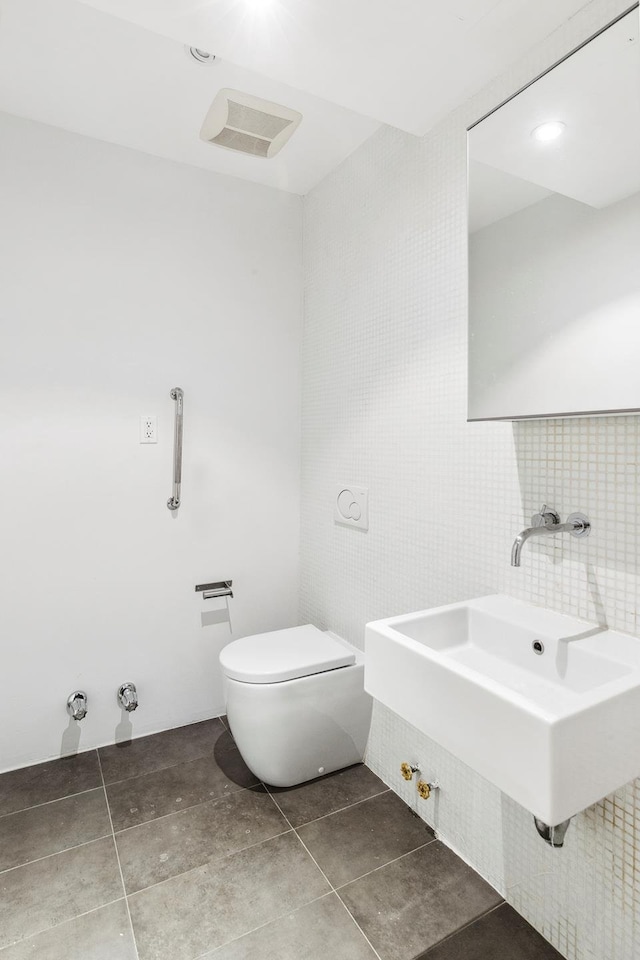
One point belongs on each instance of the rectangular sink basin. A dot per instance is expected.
(545, 706)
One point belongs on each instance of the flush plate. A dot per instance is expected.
(351, 506)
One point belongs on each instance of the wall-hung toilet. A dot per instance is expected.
(296, 703)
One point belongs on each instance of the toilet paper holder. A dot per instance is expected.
(210, 591)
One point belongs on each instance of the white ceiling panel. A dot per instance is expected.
(406, 62)
(66, 64)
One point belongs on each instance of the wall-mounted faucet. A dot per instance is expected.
(547, 523)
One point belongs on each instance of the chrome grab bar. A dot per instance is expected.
(174, 500)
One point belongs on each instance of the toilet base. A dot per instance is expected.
(298, 730)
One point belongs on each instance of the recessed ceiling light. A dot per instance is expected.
(548, 131)
(202, 56)
(259, 6)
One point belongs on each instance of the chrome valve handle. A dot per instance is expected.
(128, 697)
(77, 705)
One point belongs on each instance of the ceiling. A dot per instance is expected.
(404, 62)
(117, 70)
(65, 64)
(596, 93)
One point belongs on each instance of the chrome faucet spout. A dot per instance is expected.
(521, 539)
(547, 523)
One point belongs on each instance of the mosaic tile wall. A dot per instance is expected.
(385, 407)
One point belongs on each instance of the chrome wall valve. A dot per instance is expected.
(128, 696)
(77, 704)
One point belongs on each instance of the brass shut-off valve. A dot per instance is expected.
(407, 770)
(425, 787)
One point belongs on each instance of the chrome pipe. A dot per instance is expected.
(174, 500)
(554, 836)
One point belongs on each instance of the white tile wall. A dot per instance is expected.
(385, 406)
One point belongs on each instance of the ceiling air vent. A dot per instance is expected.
(241, 122)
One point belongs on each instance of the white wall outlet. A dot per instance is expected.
(148, 429)
(351, 506)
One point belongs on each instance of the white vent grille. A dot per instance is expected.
(238, 121)
(235, 140)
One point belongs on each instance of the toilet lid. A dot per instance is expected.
(283, 655)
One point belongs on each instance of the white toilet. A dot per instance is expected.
(296, 703)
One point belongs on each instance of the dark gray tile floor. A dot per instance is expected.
(169, 849)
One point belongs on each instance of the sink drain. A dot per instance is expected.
(538, 647)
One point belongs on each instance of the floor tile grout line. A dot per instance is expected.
(369, 872)
(96, 750)
(465, 926)
(342, 887)
(281, 811)
(304, 846)
(236, 789)
(45, 803)
(281, 916)
(355, 803)
(62, 923)
(225, 856)
(200, 803)
(333, 889)
(56, 853)
(387, 864)
(112, 783)
(357, 925)
(169, 766)
(150, 773)
(115, 847)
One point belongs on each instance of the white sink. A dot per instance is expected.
(556, 731)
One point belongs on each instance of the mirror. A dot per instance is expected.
(554, 239)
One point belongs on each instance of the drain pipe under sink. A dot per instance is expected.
(554, 836)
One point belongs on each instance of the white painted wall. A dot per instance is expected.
(385, 357)
(123, 275)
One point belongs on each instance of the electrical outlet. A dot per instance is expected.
(148, 429)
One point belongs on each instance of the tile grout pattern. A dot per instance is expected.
(336, 889)
(113, 835)
(46, 856)
(319, 861)
(384, 405)
(253, 930)
(333, 889)
(46, 803)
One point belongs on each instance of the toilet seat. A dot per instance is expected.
(284, 655)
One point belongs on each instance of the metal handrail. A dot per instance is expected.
(174, 500)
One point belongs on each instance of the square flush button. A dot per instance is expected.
(352, 506)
